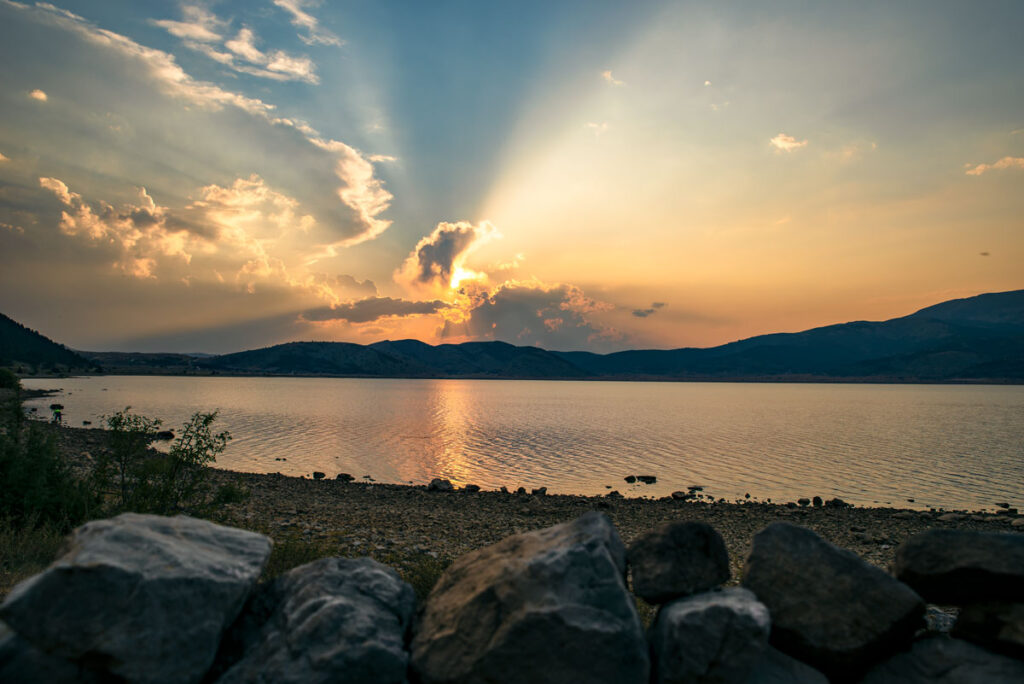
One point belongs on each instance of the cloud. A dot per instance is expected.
(3, 158)
(304, 20)
(644, 313)
(596, 128)
(200, 30)
(607, 76)
(38, 95)
(376, 158)
(360, 191)
(372, 309)
(552, 316)
(786, 143)
(198, 25)
(1002, 164)
(438, 260)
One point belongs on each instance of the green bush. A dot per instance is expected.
(134, 477)
(9, 380)
(36, 486)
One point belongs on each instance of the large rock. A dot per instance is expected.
(941, 660)
(141, 597)
(23, 663)
(961, 566)
(677, 559)
(717, 636)
(829, 608)
(775, 667)
(999, 626)
(335, 619)
(545, 606)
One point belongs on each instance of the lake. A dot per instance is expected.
(941, 445)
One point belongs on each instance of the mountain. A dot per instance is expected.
(21, 347)
(978, 338)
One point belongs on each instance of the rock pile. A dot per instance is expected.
(150, 599)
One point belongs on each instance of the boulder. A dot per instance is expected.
(140, 597)
(317, 475)
(829, 608)
(540, 491)
(647, 479)
(439, 485)
(471, 488)
(22, 663)
(345, 477)
(545, 606)
(630, 479)
(804, 501)
(998, 626)
(775, 667)
(676, 559)
(817, 501)
(941, 660)
(335, 619)
(716, 636)
(962, 566)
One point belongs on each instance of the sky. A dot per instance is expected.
(581, 174)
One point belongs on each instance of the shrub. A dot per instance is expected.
(9, 380)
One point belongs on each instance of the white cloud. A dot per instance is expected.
(304, 20)
(597, 129)
(787, 143)
(364, 194)
(375, 158)
(1002, 164)
(198, 25)
(38, 95)
(607, 76)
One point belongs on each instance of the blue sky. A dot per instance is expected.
(212, 176)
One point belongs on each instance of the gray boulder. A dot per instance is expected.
(998, 626)
(717, 636)
(677, 559)
(775, 667)
(829, 608)
(961, 566)
(23, 663)
(544, 606)
(335, 619)
(141, 597)
(941, 660)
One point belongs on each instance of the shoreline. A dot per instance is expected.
(400, 523)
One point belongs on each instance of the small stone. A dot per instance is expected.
(836, 503)
(962, 566)
(630, 479)
(540, 491)
(949, 661)
(716, 636)
(1019, 522)
(681, 496)
(803, 501)
(677, 559)
(817, 502)
(938, 620)
(614, 494)
(504, 489)
(695, 488)
(998, 626)
(950, 517)
(317, 475)
(439, 485)
(647, 479)
(1007, 511)
(345, 477)
(471, 488)
(521, 490)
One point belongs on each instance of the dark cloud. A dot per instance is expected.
(371, 309)
(552, 317)
(438, 255)
(350, 283)
(644, 313)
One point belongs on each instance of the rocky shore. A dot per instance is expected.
(400, 523)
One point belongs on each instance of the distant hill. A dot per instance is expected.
(21, 347)
(977, 339)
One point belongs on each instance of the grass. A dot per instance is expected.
(25, 551)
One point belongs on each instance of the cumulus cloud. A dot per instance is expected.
(644, 313)
(607, 76)
(360, 191)
(314, 33)
(553, 316)
(372, 309)
(438, 260)
(38, 95)
(1002, 164)
(197, 24)
(786, 143)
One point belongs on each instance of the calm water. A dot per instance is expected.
(944, 446)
